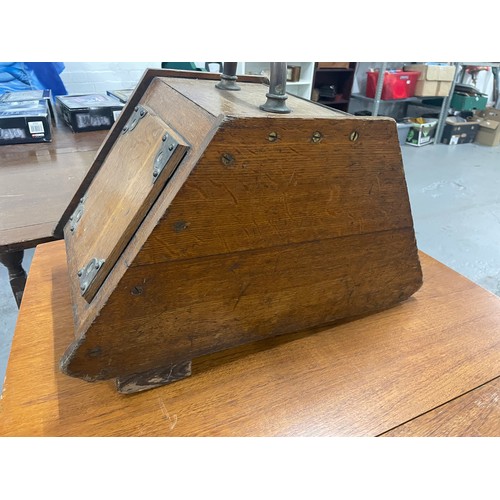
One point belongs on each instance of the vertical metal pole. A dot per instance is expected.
(228, 77)
(276, 96)
(445, 106)
(378, 90)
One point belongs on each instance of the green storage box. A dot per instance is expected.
(465, 102)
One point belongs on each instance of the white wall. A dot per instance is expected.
(84, 77)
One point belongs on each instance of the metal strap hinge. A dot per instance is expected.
(77, 215)
(87, 274)
(165, 152)
(137, 115)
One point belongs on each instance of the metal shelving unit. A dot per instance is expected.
(445, 105)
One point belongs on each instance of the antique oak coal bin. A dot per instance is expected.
(206, 222)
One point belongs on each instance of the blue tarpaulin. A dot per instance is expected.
(31, 76)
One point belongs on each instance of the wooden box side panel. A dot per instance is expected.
(197, 127)
(174, 311)
(251, 192)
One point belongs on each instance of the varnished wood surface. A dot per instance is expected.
(285, 192)
(120, 196)
(476, 413)
(197, 129)
(148, 76)
(198, 306)
(266, 237)
(37, 181)
(245, 102)
(361, 378)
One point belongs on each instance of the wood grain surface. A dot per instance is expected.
(268, 236)
(476, 413)
(147, 78)
(360, 378)
(284, 192)
(175, 311)
(37, 181)
(197, 128)
(119, 197)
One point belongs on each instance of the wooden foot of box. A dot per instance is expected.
(139, 382)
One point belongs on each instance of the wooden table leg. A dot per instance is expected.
(13, 261)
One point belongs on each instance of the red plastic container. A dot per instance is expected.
(398, 84)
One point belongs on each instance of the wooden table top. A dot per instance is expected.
(37, 182)
(430, 366)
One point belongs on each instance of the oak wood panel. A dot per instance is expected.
(287, 191)
(350, 179)
(198, 128)
(119, 197)
(475, 414)
(245, 102)
(148, 76)
(175, 311)
(37, 181)
(359, 378)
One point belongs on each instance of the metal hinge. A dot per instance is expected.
(87, 274)
(165, 152)
(77, 215)
(138, 114)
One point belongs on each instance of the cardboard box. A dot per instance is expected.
(293, 73)
(25, 117)
(444, 88)
(489, 114)
(456, 132)
(488, 133)
(422, 134)
(433, 72)
(433, 80)
(330, 65)
(86, 112)
(428, 88)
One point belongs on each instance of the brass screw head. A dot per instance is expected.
(227, 159)
(272, 137)
(354, 136)
(316, 137)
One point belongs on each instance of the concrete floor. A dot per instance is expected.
(455, 198)
(8, 314)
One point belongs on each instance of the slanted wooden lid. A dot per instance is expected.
(133, 174)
